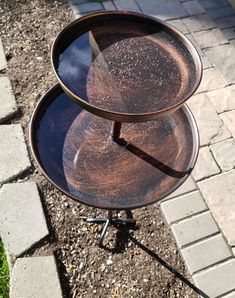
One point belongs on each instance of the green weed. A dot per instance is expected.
(4, 273)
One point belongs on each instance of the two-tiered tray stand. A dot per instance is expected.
(115, 132)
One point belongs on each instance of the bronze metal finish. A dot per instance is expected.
(126, 139)
(116, 130)
(125, 66)
(76, 153)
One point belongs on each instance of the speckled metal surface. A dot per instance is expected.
(125, 66)
(77, 154)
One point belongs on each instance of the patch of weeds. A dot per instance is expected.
(4, 273)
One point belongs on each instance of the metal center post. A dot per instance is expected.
(116, 130)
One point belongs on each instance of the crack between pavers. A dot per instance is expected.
(227, 293)
(189, 216)
(199, 240)
(212, 266)
(177, 196)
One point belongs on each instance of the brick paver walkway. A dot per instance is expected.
(202, 212)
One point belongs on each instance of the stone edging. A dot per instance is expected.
(22, 220)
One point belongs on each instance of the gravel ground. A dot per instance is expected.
(28, 28)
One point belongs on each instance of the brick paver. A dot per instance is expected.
(231, 295)
(211, 80)
(86, 7)
(14, 158)
(223, 99)
(22, 221)
(35, 277)
(7, 99)
(108, 5)
(229, 33)
(163, 9)
(222, 12)
(210, 38)
(183, 206)
(226, 22)
(219, 194)
(199, 23)
(213, 4)
(178, 24)
(194, 7)
(198, 258)
(229, 120)
(211, 127)
(205, 165)
(223, 58)
(217, 280)
(3, 62)
(194, 228)
(130, 5)
(187, 186)
(224, 153)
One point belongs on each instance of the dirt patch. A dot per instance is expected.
(28, 29)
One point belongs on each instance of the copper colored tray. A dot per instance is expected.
(76, 153)
(125, 66)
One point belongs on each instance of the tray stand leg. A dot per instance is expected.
(110, 220)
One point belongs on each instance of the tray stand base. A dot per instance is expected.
(111, 220)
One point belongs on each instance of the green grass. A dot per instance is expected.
(4, 273)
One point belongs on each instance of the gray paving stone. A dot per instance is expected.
(232, 42)
(211, 80)
(226, 22)
(229, 120)
(217, 280)
(221, 12)
(183, 206)
(14, 158)
(223, 58)
(7, 99)
(127, 5)
(213, 4)
(76, 2)
(108, 5)
(35, 277)
(233, 249)
(218, 191)
(193, 41)
(199, 23)
(86, 7)
(205, 166)
(223, 99)
(210, 38)
(194, 7)
(205, 62)
(206, 253)
(224, 153)
(22, 221)
(195, 228)
(3, 62)
(178, 24)
(163, 9)
(211, 127)
(231, 295)
(229, 33)
(187, 186)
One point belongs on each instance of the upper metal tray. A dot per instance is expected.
(125, 66)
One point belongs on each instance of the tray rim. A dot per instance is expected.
(118, 116)
(57, 90)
